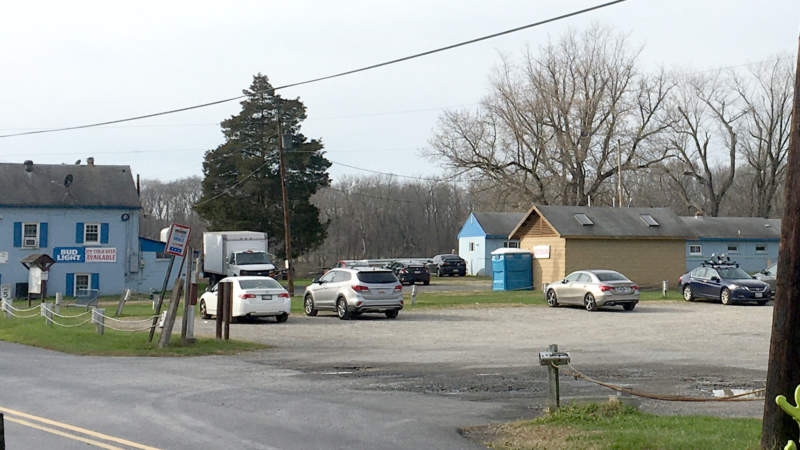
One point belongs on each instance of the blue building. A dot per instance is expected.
(483, 233)
(86, 217)
(751, 241)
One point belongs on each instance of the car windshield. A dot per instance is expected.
(610, 276)
(377, 277)
(243, 259)
(264, 283)
(733, 273)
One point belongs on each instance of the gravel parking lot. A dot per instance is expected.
(482, 353)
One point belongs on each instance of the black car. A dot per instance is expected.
(722, 279)
(411, 272)
(449, 265)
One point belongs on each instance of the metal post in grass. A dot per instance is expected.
(414, 294)
(4, 308)
(664, 287)
(58, 302)
(2, 433)
(552, 358)
(48, 314)
(99, 319)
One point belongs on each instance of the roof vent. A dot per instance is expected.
(28, 166)
(583, 219)
(90, 161)
(68, 180)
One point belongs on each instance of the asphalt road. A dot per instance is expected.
(378, 383)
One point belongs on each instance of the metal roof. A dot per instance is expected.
(607, 222)
(67, 186)
(498, 223)
(702, 227)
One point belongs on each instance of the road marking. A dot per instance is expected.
(65, 426)
(61, 433)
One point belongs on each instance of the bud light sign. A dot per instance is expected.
(178, 239)
(69, 254)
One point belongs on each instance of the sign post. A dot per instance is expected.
(176, 244)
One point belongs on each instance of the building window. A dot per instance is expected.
(695, 250)
(761, 249)
(511, 244)
(91, 233)
(472, 246)
(30, 235)
(81, 284)
(733, 249)
(649, 220)
(583, 219)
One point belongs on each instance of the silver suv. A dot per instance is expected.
(351, 292)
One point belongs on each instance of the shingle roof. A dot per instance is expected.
(46, 186)
(612, 222)
(498, 223)
(733, 227)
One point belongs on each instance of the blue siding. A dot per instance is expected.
(95, 281)
(471, 228)
(43, 235)
(746, 255)
(61, 227)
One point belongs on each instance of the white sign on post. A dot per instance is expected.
(35, 280)
(178, 240)
(3, 257)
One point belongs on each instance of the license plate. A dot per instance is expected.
(759, 295)
(621, 290)
(381, 291)
(266, 297)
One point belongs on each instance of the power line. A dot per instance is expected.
(447, 178)
(327, 77)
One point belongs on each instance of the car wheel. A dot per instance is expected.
(628, 306)
(589, 302)
(392, 314)
(552, 300)
(725, 296)
(282, 318)
(342, 310)
(308, 306)
(204, 310)
(688, 295)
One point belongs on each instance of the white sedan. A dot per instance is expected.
(252, 297)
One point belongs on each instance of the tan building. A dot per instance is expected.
(645, 244)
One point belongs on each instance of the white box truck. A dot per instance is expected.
(235, 253)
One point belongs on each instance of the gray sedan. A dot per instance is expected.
(593, 289)
(768, 276)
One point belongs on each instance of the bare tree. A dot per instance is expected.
(703, 131)
(766, 92)
(166, 202)
(552, 126)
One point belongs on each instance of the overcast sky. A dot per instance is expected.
(69, 63)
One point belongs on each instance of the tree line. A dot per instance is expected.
(558, 123)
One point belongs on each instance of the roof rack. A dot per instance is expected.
(719, 261)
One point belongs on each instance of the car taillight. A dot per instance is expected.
(283, 295)
(403, 271)
(635, 288)
(359, 288)
(243, 296)
(398, 287)
(605, 288)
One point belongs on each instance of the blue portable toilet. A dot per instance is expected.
(512, 269)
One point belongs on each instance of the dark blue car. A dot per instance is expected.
(723, 281)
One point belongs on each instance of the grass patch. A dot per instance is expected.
(616, 426)
(84, 340)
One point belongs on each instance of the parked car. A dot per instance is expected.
(252, 297)
(723, 281)
(769, 276)
(411, 272)
(594, 289)
(351, 292)
(448, 265)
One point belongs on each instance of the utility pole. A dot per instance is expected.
(619, 172)
(783, 372)
(287, 235)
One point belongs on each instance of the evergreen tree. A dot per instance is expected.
(241, 185)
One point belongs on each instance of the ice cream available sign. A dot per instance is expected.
(85, 255)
